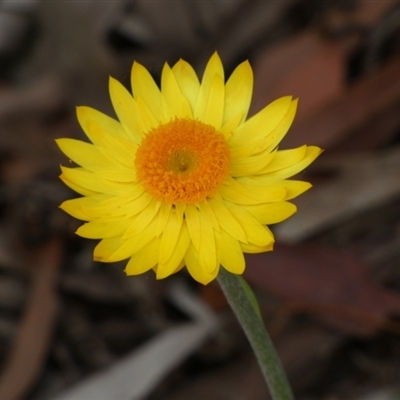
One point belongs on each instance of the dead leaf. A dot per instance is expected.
(324, 282)
(306, 67)
(32, 340)
(351, 120)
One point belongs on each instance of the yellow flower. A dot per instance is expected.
(182, 178)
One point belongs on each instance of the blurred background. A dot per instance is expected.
(73, 329)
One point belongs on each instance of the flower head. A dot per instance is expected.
(182, 178)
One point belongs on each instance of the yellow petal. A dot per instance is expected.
(296, 188)
(171, 265)
(104, 227)
(118, 175)
(210, 103)
(211, 83)
(229, 126)
(105, 248)
(74, 207)
(207, 249)
(76, 187)
(196, 269)
(253, 249)
(192, 218)
(285, 158)
(275, 137)
(86, 155)
(271, 213)
(188, 81)
(118, 201)
(144, 259)
(226, 220)
(122, 252)
(143, 86)
(180, 209)
(208, 213)
(250, 165)
(244, 149)
(256, 233)
(147, 118)
(293, 188)
(238, 92)
(311, 154)
(170, 235)
(135, 206)
(142, 219)
(180, 266)
(240, 193)
(87, 115)
(263, 123)
(126, 109)
(124, 205)
(134, 244)
(230, 254)
(174, 103)
(89, 180)
(120, 149)
(213, 67)
(162, 217)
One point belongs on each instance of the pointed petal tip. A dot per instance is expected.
(138, 66)
(113, 81)
(160, 276)
(59, 143)
(79, 110)
(135, 64)
(204, 280)
(215, 57)
(239, 270)
(129, 272)
(81, 114)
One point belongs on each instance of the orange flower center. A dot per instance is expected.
(183, 161)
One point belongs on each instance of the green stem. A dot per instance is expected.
(258, 337)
